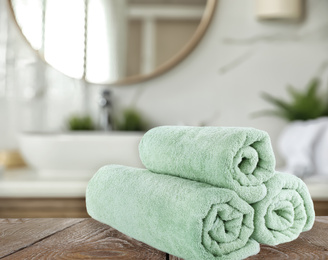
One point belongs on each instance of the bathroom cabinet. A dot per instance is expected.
(73, 208)
(321, 207)
(43, 208)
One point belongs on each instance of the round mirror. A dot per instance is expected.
(113, 41)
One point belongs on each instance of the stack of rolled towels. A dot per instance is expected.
(206, 193)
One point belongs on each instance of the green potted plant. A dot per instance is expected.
(80, 123)
(131, 120)
(304, 141)
(304, 105)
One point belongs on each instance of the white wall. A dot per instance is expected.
(220, 81)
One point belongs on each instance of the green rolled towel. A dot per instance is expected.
(185, 218)
(285, 212)
(240, 159)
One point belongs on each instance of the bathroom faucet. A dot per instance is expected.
(106, 111)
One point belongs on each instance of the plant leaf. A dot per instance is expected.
(275, 101)
(312, 87)
(293, 92)
(304, 105)
(275, 113)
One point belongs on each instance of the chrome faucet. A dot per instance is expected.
(106, 111)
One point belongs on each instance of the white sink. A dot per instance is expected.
(79, 153)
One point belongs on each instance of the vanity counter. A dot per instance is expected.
(25, 182)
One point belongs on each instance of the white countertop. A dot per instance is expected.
(26, 182)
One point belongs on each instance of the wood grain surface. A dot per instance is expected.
(17, 234)
(89, 239)
(84, 239)
(312, 244)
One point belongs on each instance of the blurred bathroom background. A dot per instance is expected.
(114, 69)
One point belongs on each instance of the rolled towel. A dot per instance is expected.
(185, 218)
(240, 159)
(285, 212)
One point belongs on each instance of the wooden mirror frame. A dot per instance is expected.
(166, 66)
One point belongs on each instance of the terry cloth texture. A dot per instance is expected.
(185, 218)
(240, 159)
(285, 212)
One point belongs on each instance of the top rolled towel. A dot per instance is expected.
(240, 159)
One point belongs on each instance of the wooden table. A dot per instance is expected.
(82, 238)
